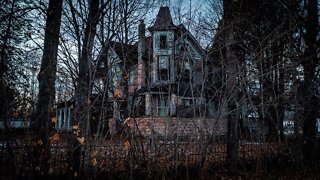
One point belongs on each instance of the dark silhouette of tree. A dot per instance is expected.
(310, 63)
(231, 83)
(85, 61)
(13, 22)
(41, 123)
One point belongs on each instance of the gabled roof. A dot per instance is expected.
(184, 33)
(163, 19)
(126, 52)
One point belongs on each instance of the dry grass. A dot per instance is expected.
(127, 157)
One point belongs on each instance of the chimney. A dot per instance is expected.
(141, 44)
(141, 55)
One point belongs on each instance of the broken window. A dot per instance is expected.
(163, 42)
(163, 68)
(186, 71)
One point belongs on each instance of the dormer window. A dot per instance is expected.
(163, 42)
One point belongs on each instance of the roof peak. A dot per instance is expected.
(163, 19)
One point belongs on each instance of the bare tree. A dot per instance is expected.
(41, 123)
(231, 86)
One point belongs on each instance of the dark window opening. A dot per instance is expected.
(183, 47)
(185, 76)
(163, 42)
(163, 74)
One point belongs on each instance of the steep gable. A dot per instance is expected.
(163, 20)
(184, 37)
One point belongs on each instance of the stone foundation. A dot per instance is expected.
(169, 127)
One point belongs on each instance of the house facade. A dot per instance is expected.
(166, 91)
(169, 78)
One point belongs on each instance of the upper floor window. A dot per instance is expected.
(185, 70)
(163, 68)
(163, 42)
(183, 47)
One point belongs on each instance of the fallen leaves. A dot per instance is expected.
(37, 142)
(126, 145)
(54, 120)
(76, 130)
(81, 140)
(117, 93)
(54, 137)
(93, 161)
(75, 126)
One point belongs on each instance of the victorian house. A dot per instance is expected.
(169, 77)
(167, 91)
(160, 82)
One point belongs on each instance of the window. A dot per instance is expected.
(185, 76)
(163, 62)
(212, 108)
(187, 65)
(131, 76)
(187, 101)
(163, 105)
(163, 75)
(163, 68)
(97, 86)
(163, 42)
(186, 71)
(183, 47)
(63, 118)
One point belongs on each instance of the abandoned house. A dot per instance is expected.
(166, 88)
(160, 82)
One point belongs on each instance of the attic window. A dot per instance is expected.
(183, 47)
(163, 42)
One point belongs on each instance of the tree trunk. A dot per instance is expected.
(42, 125)
(233, 116)
(83, 91)
(231, 88)
(281, 94)
(84, 81)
